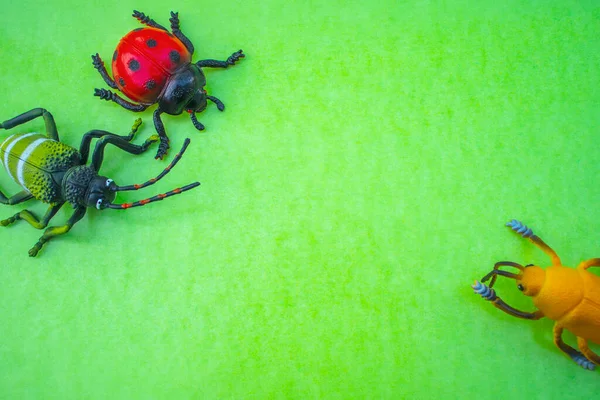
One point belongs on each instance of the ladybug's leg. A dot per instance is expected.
(164, 140)
(576, 356)
(32, 219)
(174, 20)
(16, 199)
(54, 231)
(583, 346)
(222, 64)
(115, 140)
(99, 65)
(84, 147)
(110, 96)
(218, 102)
(33, 114)
(197, 124)
(145, 20)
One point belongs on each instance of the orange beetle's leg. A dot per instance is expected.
(576, 356)
(583, 346)
(489, 294)
(594, 262)
(527, 233)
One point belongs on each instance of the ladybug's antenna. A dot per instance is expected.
(160, 176)
(158, 197)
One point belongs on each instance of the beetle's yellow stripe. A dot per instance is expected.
(9, 162)
(8, 139)
(24, 157)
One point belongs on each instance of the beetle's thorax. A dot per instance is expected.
(75, 184)
(184, 90)
(560, 292)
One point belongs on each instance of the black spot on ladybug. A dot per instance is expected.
(133, 65)
(151, 43)
(137, 29)
(174, 56)
(121, 81)
(115, 56)
(150, 84)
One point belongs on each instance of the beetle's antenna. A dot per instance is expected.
(496, 271)
(527, 233)
(489, 294)
(160, 176)
(158, 197)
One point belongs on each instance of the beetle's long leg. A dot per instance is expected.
(163, 147)
(587, 352)
(28, 216)
(174, 20)
(197, 124)
(594, 262)
(99, 65)
(16, 199)
(51, 131)
(115, 140)
(231, 60)
(576, 356)
(110, 96)
(527, 233)
(84, 147)
(218, 102)
(489, 294)
(145, 20)
(54, 231)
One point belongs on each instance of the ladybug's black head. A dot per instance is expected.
(184, 91)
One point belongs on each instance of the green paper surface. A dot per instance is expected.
(353, 189)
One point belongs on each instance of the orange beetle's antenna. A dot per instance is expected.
(527, 233)
(496, 271)
(490, 294)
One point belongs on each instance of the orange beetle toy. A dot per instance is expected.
(571, 297)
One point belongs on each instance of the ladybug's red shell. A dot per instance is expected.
(144, 60)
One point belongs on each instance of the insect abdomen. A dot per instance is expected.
(37, 163)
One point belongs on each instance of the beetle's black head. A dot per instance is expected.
(83, 187)
(101, 192)
(184, 91)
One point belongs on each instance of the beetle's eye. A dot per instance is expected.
(99, 204)
(520, 287)
(108, 182)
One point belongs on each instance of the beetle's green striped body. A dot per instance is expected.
(58, 174)
(38, 164)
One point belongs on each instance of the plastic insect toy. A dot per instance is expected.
(152, 65)
(56, 173)
(569, 296)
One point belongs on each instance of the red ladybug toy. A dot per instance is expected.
(152, 65)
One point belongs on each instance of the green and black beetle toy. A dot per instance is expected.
(56, 173)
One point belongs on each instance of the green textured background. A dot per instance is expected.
(355, 186)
